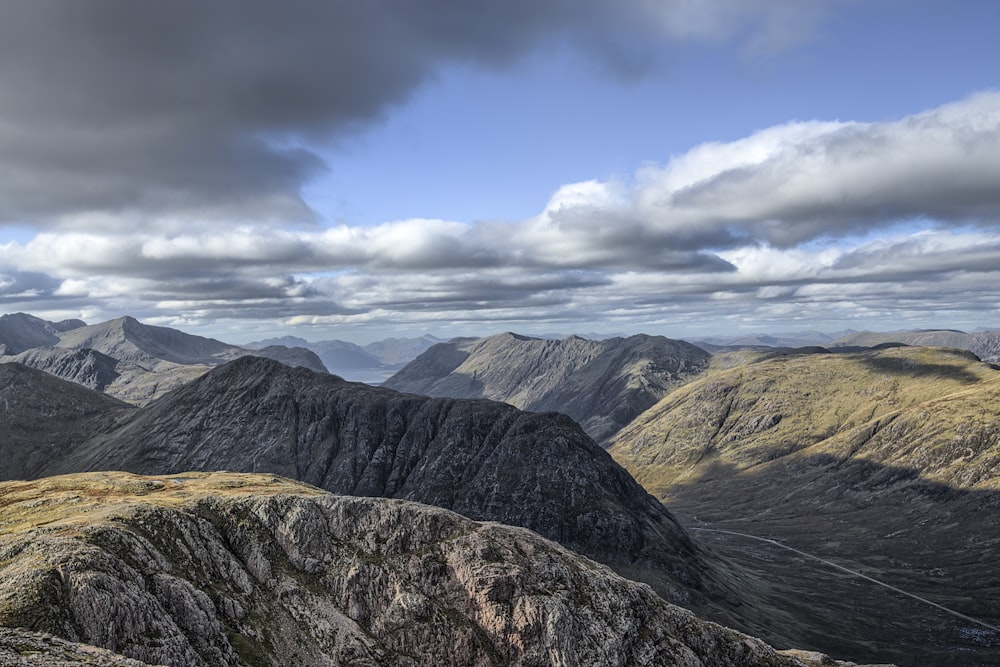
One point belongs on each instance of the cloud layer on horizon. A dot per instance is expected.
(162, 152)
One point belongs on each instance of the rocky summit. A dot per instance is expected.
(602, 384)
(217, 569)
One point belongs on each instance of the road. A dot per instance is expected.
(855, 573)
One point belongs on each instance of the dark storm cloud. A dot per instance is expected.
(194, 109)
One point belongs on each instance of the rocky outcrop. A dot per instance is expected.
(603, 384)
(224, 569)
(21, 648)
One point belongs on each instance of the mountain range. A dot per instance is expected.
(602, 384)
(124, 358)
(371, 363)
(484, 459)
(776, 463)
(984, 344)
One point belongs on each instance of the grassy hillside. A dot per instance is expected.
(885, 462)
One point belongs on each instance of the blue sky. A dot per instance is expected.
(474, 144)
(358, 171)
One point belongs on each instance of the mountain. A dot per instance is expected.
(885, 461)
(984, 344)
(224, 569)
(400, 351)
(44, 418)
(20, 332)
(129, 341)
(603, 384)
(372, 363)
(484, 459)
(86, 367)
(130, 360)
(792, 339)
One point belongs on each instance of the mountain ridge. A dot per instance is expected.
(224, 569)
(603, 384)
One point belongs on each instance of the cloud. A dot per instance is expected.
(795, 183)
(840, 221)
(115, 114)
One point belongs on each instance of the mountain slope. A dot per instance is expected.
(603, 384)
(787, 402)
(222, 569)
(885, 462)
(85, 367)
(42, 418)
(484, 459)
(150, 360)
(20, 332)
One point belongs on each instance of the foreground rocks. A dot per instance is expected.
(228, 569)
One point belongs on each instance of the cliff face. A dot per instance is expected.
(484, 459)
(225, 569)
(601, 384)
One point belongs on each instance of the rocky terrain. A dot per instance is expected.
(602, 384)
(484, 459)
(124, 358)
(882, 461)
(226, 569)
(984, 344)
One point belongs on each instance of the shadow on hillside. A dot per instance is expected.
(924, 537)
(911, 368)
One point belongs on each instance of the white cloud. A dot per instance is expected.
(726, 230)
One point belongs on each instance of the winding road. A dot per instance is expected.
(853, 572)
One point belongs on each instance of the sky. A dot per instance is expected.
(357, 170)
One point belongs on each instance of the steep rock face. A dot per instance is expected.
(484, 459)
(225, 569)
(85, 367)
(42, 418)
(602, 384)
